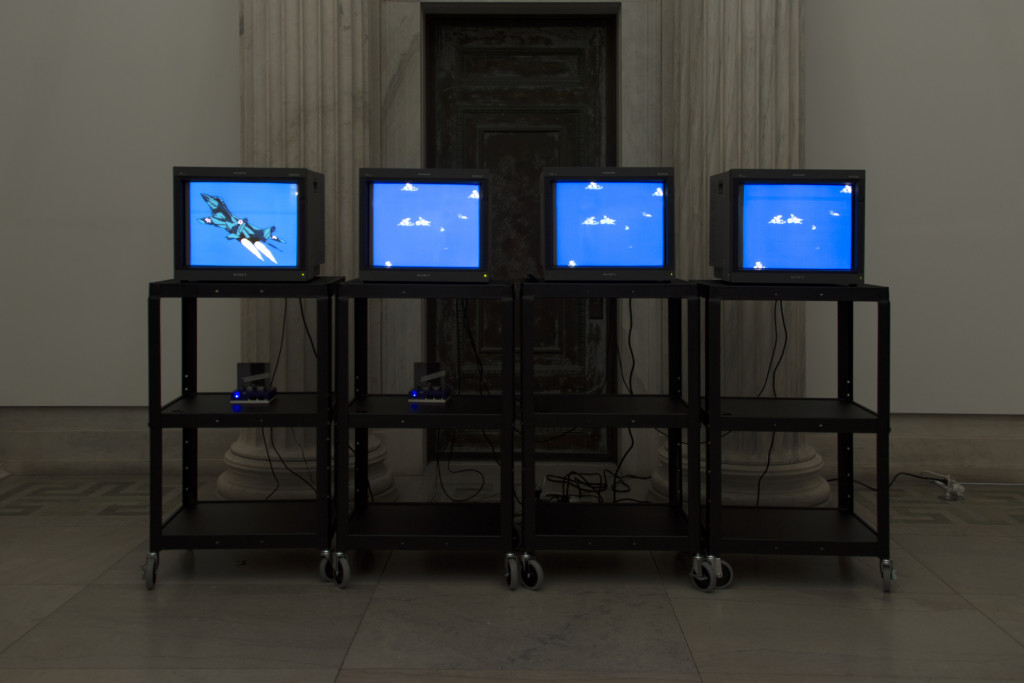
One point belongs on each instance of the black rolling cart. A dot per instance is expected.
(204, 524)
(485, 526)
(605, 526)
(837, 530)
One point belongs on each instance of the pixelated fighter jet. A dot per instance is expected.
(248, 235)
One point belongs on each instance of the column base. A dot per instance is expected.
(289, 473)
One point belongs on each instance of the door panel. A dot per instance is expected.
(514, 94)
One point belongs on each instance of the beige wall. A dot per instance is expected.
(928, 97)
(100, 100)
(924, 94)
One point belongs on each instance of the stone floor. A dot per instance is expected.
(73, 605)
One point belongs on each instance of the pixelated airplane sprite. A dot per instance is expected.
(249, 236)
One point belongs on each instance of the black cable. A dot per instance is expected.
(785, 343)
(270, 461)
(915, 476)
(280, 345)
(771, 357)
(593, 486)
(305, 326)
(767, 464)
(285, 464)
(440, 480)
(777, 311)
(893, 480)
(273, 374)
(629, 345)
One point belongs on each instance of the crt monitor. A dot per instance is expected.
(423, 225)
(247, 224)
(602, 224)
(780, 226)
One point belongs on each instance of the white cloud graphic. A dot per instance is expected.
(758, 266)
(463, 217)
(572, 264)
(777, 220)
(793, 219)
(627, 227)
(646, 215)
(405, 221)
(422, 221)
(475, 194)
(848, 189)
(607, 221)
(590, 221)
(594, 186)
(658, 193)
(409, 187)
(833, 213)
(387, 264)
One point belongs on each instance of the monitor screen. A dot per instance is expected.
(797, 226)
(787, 226)
(608, 223)
(248, 224)
(423, 224)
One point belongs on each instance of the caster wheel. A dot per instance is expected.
(533, 574)
(511, 572)
(724, 580)
(888, 575)
(326, 570)
(703, 576)
(342, 572)
(149, 568)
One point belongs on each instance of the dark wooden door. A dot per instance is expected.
(514, 94)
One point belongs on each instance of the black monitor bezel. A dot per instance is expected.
(372, 273)
(728, 261)
(310, 229)
(552, 271)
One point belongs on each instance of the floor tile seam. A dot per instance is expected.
(362, 617)
(920, 561)
(679, 623)
(45, 619)
(992, 621)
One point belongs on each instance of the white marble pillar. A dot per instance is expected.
(706, 85)
(739, 84)
(304, 104)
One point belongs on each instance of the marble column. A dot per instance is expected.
(739, 67)
(304, 104)
(705, 85)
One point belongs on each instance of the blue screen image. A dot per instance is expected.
(243, 224)
(609, 223)
(425, 225)
(797, 226)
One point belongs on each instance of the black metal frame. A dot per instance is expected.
(596, 526)
(426, 526)
(236, 524)
(815, 531)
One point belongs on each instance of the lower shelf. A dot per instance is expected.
(795, 531)
(245, 524)
(603, 526)
(427, 526)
